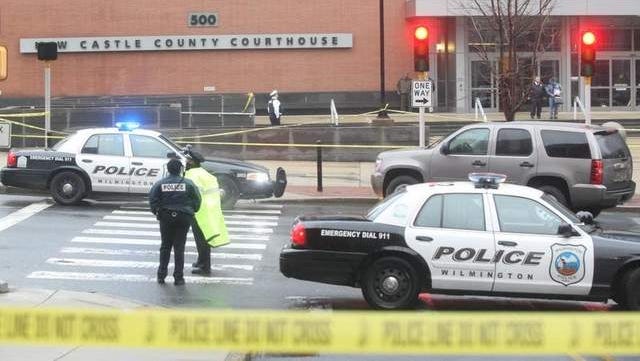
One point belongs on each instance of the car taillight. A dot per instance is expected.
(299, 235)
(12, 160)
(597, 170)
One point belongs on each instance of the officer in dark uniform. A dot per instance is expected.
(174, 200)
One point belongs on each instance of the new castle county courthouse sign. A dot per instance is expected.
(193, 42)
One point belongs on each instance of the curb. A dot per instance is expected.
(624, 209)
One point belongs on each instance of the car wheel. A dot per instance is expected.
(230, 192)
(67, 188)
(398, 182)
(390, 283)
(629, 293)
(556, 193)
(594, 211)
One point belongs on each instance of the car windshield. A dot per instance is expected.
(174, 146)
(61, 142)
(561, 208)
(385, 204)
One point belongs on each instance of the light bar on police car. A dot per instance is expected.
(487, 180)
(127, 125)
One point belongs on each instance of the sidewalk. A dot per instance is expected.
(36, 298)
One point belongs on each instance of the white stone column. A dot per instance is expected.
(463, 86)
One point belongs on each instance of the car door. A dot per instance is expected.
(103, 158)
(533, 257)
(464, 153)
(148, 161)
(514, 155)
(450, 232)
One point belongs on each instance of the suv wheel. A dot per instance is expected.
(67, 188)
(556, 193)
(399, 182)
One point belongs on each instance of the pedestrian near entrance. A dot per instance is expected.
(404, 89)
(174, 200)
(554, 92)
(536, 94)
(274, 108)
(209, 229)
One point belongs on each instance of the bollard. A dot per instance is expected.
(319, 165)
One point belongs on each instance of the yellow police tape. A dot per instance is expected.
(426, 332)
(299, 145)
(29, 125)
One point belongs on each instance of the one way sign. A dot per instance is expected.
(421, 93)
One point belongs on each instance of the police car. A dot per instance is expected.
(125, 160)
(470, 238)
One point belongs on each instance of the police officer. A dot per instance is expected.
(209, 229)
(174, 200)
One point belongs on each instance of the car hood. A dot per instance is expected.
(224, 164)
(621, 236)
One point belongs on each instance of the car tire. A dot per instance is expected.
(594, 211)
(390, 283)
(398, 182)
(231, 193)
(556, 193)
(629, 293)
(68, 188)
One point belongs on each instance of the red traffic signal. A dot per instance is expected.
(588, 54)
(421, 49)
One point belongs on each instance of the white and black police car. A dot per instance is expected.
(125, 160)
(467, 238)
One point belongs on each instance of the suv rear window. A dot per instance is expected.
(561, 144)
(612, 146)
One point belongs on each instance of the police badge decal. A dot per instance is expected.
(567, 263)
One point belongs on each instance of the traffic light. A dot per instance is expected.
(3, 62)
(588, 54)
(421, 49)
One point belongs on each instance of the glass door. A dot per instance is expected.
(483, 84)
(621, 83)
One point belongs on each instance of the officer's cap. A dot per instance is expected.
(196, 156)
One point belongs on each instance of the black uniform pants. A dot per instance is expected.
(204, 250)
(274, 120)
(536, 107)
(174, 226)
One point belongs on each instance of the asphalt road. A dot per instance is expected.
(112, 248)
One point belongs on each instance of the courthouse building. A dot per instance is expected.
(310, 51)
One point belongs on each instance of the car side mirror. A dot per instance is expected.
(445, 148)
(172, 155)
(566, 230)
(585, 217)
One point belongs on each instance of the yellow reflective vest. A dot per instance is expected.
(209, 217)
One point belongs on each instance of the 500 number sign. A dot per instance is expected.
(203, 19)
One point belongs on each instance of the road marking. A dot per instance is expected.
(156, 242)
(20, 215)
(121, 232)
(157, 226)
(226, 218)
(257, 206)
(86, 276)
(247, 211)
(257, 211)
(81, 262)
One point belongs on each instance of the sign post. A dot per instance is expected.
(421, 99)
(47, 102)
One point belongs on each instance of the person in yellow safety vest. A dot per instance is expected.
(209, 229)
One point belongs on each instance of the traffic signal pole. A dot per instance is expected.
(47, 102)
(423, 75)
(587, 100)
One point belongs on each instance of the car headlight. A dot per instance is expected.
(258, 177)
(378, 166)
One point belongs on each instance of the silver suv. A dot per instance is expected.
(584, 167)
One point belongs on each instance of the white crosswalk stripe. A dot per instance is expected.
(128, 239)
(88, 276)
(157, 226)
(81, 262)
